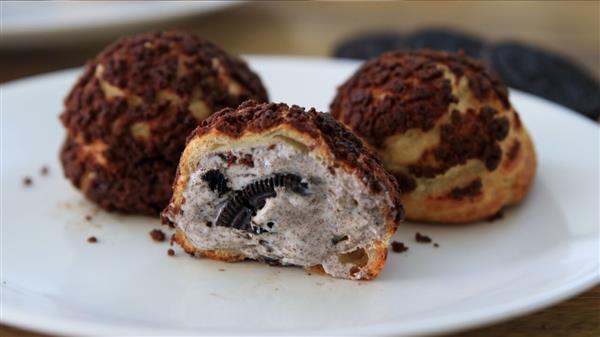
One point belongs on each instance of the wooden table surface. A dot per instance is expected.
(571, 28)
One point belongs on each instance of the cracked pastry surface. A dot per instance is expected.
(128, 115)
(445, 128)
(287, 186)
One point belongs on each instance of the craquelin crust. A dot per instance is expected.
(128, 115)
(316, 132)
(445, 129)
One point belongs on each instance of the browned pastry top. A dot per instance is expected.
(144, 65)
(128, 115)
(399, 91)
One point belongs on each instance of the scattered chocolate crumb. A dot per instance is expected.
(44, 170)
(247, 160)
(228, 157)
(339, 239)
(27, 181)
(422, 238)
(92, 239)
(309, 274)
(157, 235)
(399, 247)
(171, 252)
(436, 245)
(88, 217)
(221, 269)
(497, 216)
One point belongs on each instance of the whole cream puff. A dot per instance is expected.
(128, 115)
(445, 128)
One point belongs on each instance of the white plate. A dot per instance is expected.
(44, 22)
(543, 251)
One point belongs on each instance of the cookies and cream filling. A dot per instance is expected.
(279, 204)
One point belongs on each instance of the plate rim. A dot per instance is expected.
(445, 323)
(42, 35)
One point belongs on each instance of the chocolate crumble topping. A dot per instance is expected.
(470, 135)
(399, 91)
(513, 151)
(472, 189)
(159, 78)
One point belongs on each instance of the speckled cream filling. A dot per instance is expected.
(304, 229)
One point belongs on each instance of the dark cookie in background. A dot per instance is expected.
(446, 40)
(547, 75)
(366, 46)
(533, 70)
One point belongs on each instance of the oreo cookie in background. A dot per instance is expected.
(368, 45)
(520, 66)
(446, 40)
(547, 75)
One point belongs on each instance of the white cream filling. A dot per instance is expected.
(304, 227)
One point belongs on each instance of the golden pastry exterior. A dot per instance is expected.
(128, 115)
(284, 185)
(445, 129)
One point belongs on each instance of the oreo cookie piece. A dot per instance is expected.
(244, 204)
(445, 40)
(548, 75)
(368, 45)
(216, 181)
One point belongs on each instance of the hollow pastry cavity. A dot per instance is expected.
(277, 194)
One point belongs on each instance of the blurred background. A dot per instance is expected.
(563, 36)
(556, 51)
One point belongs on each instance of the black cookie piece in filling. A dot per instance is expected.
(548, 75)
(216, 181)
(239, 209)
(368, 45)
(445, 40)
